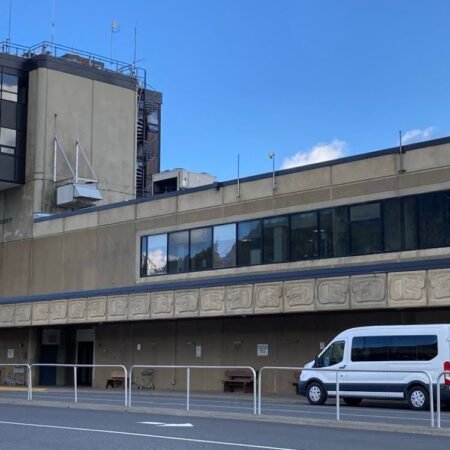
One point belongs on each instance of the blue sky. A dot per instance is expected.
(305, 79)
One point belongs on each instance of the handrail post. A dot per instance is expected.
(75, 382)
(259, 389)
(431, 399)
(254, 390)
(438, 400)
(30, 387)
(338, 412)
(129, 391)
(126, 385)
(188, 388)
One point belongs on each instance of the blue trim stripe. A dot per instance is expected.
(359, 269)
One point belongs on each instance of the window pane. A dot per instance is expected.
(365, 229)
(224, 253)
(410, 222)
(7, 137)
(156, 258)
(392, 225)
(179, 252)
(403, 348)
(9, 83)
(427, 348)
(144, 256)
(434, 220)
(372, 348)
(7, 150)
(249, 242)
(332, 355)
(201, 249)
(326, 249)
(340, 231)
(304, 236)
(10, 96)
(276, 239)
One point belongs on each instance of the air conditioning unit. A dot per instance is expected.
(77, 195)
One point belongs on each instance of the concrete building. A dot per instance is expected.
(247, 273)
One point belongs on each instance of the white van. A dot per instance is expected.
(384, 348)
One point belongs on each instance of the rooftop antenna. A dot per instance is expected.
(52, 39)
(271, 156)
(238, 178)
(135, 46)
(115, 28)
(9, 23)
(401, 152)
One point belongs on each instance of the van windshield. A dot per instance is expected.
(332, 355)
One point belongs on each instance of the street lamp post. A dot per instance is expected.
(271, 156)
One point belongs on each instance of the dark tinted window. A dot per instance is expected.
(410, 223)
(250, 242)
(370, 348)
(365, 229)
(179, 252)
(201, 248)
(224, 249)
(434, 220)
(276, 239)
(332, 355)
(392, 225)
(304, 236)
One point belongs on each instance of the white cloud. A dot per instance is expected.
(319, 153)
(418, 135)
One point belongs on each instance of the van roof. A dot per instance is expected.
(397, 327)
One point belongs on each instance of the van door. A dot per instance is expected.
(332, 358)
(367, 376)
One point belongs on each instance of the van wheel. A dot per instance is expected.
(316, 394)
(352, 401)
(418, 398)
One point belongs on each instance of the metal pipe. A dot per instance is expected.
(188, 383)
(75, 383)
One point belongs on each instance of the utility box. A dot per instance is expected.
(77, 195)
(179, 179)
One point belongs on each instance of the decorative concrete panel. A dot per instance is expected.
(299, 296)
(239, 299)
(22, 314)
(212, 301)
(368, 291)
(77, 310)
(139, 306)
(268, 298)
(407, 289)
(58, 312)
(40, 313)
(96, 309)
(6, 315)
(186, 303)
(118, 307)
(333, 293)
(439, 287)
(161, 305)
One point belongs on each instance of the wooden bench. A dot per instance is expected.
(241, 379)
(116, 379)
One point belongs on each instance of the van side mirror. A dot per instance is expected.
(316, 362)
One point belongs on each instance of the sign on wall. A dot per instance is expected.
(262, 349)
(10, 353)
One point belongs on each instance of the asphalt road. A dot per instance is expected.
(293, 406)
(42, 428)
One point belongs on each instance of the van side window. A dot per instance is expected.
(394, 348)
(332, 355)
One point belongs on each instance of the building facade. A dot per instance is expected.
(235, 273)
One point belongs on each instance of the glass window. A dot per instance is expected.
(392, 225)
(224, 248)
(365, 229)
(250, 242)
(276, 239)
(340, 231)
(7, 137)
(334, 354)
(371, 348)
(434, 220)
(410, 222)
(8, 87)
(304, 236)
(156, 257)
(427, 347)
(179, 252)
(7, 150)
(144, 256)
(201, 248)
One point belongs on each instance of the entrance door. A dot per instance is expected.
(48, 355)
(85, 356)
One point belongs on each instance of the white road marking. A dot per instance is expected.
(156, 436)
(162, 424)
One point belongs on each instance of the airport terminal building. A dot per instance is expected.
(257, 271)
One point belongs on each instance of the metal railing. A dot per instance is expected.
(92, 366)
(188, 378)
(260, 373)
(438, 397)
(28, 382)
(341, 371)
